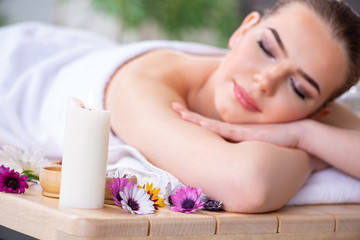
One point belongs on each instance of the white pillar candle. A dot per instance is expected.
(85, 153)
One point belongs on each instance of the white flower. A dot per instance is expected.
(27, 160)
(136, 200)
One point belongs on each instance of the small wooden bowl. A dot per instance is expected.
(50, 179)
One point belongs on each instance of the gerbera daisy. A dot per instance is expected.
(136, 200)
(11, 181)
(186, 199)
(3, 169)
(154, 192)
(117, 186)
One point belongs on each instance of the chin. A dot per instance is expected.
(228, 115)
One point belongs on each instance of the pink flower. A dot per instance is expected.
(3, 169)
(11, 181)
(118, 186)
(186, 199)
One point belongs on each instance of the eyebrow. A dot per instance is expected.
(278, 40)
(300, 71)
(309, 79)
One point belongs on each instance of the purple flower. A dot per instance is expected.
(118, 186)
(186, 199)
(11, 181)
(168, 192)
(3, 169)
(212, 205)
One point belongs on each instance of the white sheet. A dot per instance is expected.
(328, 186)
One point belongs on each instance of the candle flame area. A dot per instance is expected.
(90, 102)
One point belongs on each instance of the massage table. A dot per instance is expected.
(41, 217)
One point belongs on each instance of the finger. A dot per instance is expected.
(177, 107)
(225, 130)
(212, 126)
(191, 117)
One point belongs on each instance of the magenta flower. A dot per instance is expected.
(11, 181)
(3, 169)
(118, 186)
(186, 199)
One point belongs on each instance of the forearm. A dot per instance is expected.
(272, 174)
(248, 177)
(336, 146)
(318, 139)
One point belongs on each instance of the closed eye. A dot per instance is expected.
(298, 92)
(264, 49)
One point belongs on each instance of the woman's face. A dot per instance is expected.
(281, 69)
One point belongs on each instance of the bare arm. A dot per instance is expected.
(335, 141)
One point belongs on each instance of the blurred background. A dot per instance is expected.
(205, 21)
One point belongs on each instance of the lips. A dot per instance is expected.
(245, 99)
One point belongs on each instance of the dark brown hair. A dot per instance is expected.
(345, 26)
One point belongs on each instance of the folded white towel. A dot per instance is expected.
(127, 160)
(328, 186)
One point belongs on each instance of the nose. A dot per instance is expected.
(268, 79)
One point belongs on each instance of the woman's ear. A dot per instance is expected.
(251, 20)
(321, 113)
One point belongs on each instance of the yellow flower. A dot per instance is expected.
(153, 192)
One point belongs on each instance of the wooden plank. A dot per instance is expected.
(235, 223)
(41, 217)
(347, 216)
(302, 219)
(169, 223)
(21, 214)
(30, 212)
(110, 221)
(348, 223)
(278, 236)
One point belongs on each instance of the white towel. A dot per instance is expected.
(42, 66)
(127, 160)
(328, 186)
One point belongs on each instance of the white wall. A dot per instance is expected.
(27, 10)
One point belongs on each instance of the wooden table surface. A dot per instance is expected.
(41, 217)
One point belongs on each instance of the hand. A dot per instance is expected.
(282, 134)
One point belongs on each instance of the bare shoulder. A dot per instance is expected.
(141, 92)
(156, 61)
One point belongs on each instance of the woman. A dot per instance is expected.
(283, 68)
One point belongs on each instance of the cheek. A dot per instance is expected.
(285, 111)
(243, 60)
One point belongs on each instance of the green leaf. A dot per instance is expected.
(30, 175)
